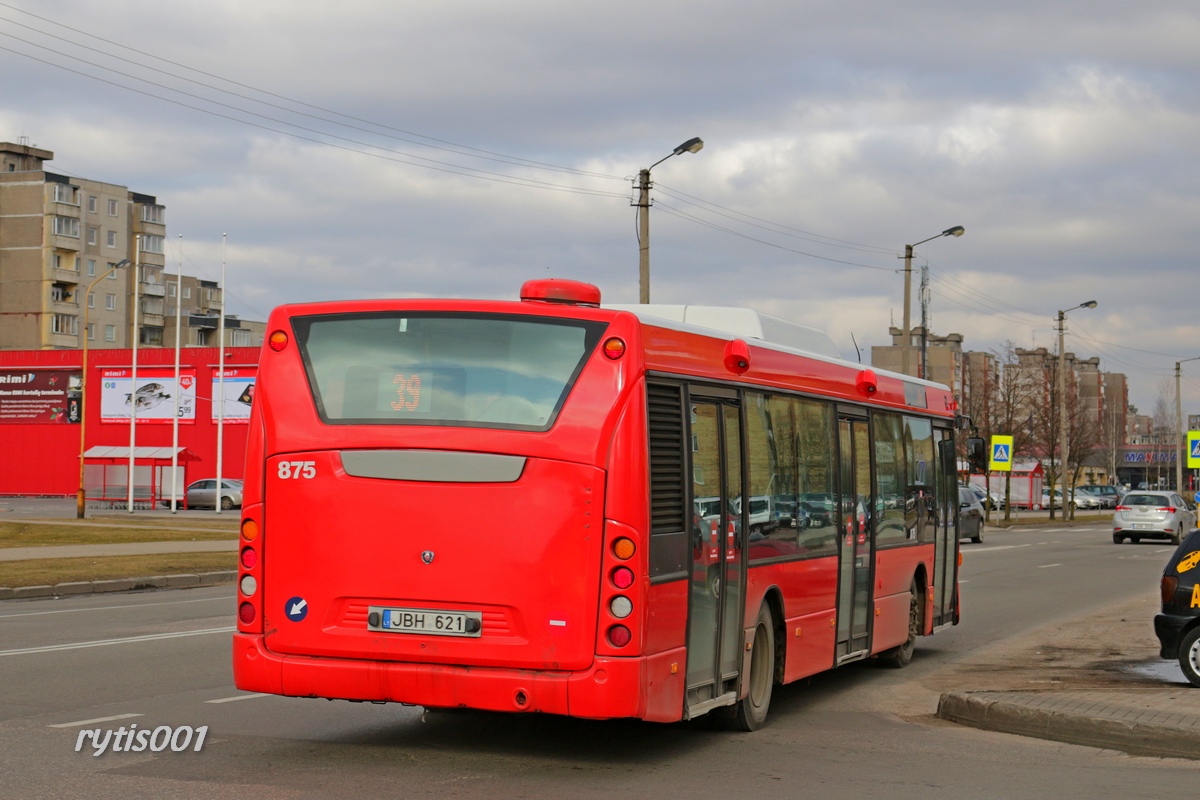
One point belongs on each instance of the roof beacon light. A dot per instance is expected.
(561, 290)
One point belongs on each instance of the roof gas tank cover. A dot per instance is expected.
(560, 290)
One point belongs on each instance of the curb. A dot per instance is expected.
(1092, 719)
(119, 585)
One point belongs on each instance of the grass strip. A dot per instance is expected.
(34, 534)
(50, 571)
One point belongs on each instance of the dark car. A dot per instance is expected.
(1178, 626)
(970, 515)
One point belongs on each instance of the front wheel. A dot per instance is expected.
(901, 656)
(226, 503)
(751, 710)
(978, 537)
(1177, 536)
(1189, 656)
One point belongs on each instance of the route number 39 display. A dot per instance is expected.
(295, 470)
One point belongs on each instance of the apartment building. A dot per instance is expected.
(936, 358)
(60, 238)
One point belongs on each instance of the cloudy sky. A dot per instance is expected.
(379, 148)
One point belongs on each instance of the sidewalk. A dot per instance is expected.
(1163, 723)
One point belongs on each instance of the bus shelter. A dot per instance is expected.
(106, 475)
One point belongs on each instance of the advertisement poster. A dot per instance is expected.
(154, 394)
(239, 394)
(39, 395)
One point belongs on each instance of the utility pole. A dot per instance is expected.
(644, 236)
(906, 342)
(925, 323)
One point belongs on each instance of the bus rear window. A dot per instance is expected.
(443, 369)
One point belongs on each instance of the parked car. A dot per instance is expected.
(1077, 502)
(1178, 626)
(1083, 499)
(203, 494)
(1153, 515)
(1106, 496)
(988, 498)
(970, 515)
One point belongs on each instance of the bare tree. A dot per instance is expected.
(1163, 431)
(1012, 412)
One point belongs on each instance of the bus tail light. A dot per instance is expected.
(621, 606)
(623, 591)
(614, 348)
(619, 636)
(622, 577)
(277, 341)
(250, 564)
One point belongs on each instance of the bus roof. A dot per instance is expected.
(741, 322)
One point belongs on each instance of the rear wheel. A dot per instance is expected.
(1189, 656)
(1177, 536)
(751, 710)
(1118, 538)
(901, 656)
(978, 537)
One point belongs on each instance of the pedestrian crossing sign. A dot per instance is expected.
(1193, 454)
(1001, 460)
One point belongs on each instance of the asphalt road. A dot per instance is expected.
(162, 659)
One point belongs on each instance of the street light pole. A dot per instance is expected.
(81, 496)
(1062, 408)
(693, 145)
(1179, 427)
(905, 344)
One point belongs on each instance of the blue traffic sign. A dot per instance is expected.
(296, 609)
(1000, 452)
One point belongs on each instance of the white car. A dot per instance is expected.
(1153, 515)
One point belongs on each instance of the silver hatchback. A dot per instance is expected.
(1153, 515)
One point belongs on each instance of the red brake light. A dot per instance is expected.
(622, 577)
(1122, 508)
(246, 613)
(278, 341)
(249, 558)
(619, 636)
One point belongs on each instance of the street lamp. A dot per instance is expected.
(693, 145)
(1179, 428)
(81, 498)
(1062, 405)
(905, 344)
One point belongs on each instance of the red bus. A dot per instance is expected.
(551, 506)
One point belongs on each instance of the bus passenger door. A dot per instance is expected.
(715, 604)
(856, 510)
(945, 553)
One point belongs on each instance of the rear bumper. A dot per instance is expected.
(1169, 628)
(648, 688)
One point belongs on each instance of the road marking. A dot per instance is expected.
(992, 549)
(110, 608)
(105, 642)
(1048, 566)
(239, 697)
(94, 721)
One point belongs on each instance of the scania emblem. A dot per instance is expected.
(427, 556)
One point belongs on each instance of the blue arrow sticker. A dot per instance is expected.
(296, 609)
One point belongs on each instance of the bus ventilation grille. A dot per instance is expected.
(667, 489)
